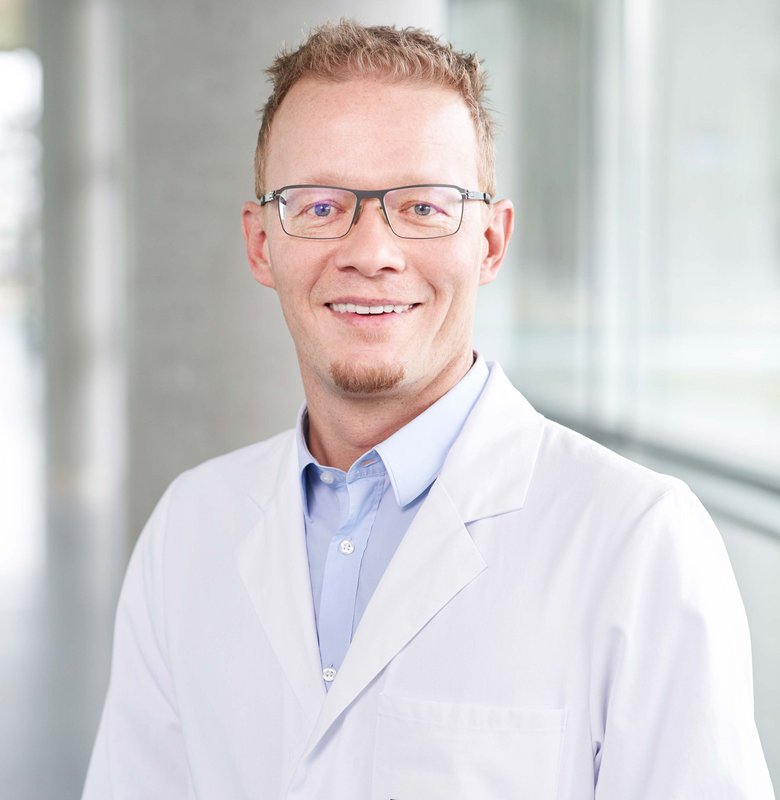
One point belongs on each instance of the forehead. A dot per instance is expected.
(372, 133)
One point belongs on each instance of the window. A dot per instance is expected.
(640, 142)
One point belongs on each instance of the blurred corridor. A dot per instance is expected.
(640, 142)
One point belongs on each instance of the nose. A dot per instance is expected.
(371, 246)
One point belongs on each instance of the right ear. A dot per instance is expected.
(256, 238)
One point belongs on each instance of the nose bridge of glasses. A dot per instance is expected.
(360, 200)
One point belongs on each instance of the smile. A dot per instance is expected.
(352, 308)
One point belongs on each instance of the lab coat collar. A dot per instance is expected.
(495, 451)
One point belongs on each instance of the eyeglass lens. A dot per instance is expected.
(417, 212)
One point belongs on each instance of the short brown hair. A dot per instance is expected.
(344, 50)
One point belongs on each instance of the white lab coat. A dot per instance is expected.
(557, 623)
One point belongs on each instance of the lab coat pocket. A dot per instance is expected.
(429, 750)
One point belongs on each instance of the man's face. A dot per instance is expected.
(372, 134)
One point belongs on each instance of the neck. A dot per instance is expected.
(342, 426)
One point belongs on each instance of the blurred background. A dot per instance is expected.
(640, 142)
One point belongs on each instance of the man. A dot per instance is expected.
(426, 590)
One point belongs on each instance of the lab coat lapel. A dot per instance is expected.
(435, 560)
(273, 564)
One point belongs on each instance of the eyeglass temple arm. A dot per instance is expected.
(268, 197)
(471, 194)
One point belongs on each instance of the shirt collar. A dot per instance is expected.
(413, 456)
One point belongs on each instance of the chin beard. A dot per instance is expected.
(366, 380)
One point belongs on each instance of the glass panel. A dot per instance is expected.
(534, 318)
(711, 379)
(640, 142)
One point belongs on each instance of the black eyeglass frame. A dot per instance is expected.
(379, 194)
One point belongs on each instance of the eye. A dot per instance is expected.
(321, 209)
(418, 210)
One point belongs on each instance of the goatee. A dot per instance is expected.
(366, 380)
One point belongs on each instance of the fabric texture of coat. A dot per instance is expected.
(557, 623)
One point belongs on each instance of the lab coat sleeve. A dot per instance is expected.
(139, 751)
(677, 717)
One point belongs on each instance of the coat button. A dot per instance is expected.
(328, 674)
(347, 547)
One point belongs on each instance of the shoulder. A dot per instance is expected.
(580, 486)
(613, 498)
(631, 535)
(224, 493)
(614, 511)
(510, 457)
(557, 464)
(571, 459)
(239, 469)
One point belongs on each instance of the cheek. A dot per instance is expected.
(461, 281)
(457, 313)
(297, 265)
(291, 278)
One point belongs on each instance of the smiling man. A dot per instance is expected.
(425, 590)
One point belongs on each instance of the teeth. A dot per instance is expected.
(351, 308)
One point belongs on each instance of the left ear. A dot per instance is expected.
(256, 238)
(498, 232)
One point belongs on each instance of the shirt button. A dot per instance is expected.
(326, 477)
(328, 674)
(347, 547)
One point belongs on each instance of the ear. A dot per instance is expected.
(497, 234)
(256, 238)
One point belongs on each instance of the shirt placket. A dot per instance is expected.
(364, 488)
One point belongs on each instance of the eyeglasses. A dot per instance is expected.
(423, 211)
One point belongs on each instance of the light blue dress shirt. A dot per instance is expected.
(354, 520)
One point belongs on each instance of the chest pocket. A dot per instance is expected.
(451, 751)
